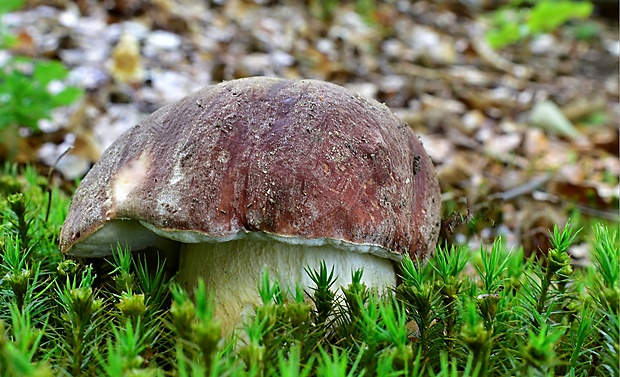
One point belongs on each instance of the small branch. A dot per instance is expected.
(49, 184)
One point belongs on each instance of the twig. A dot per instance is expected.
(523, 189)
(49, 184)
(486, 53)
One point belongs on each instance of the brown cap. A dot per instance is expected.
(296, 160)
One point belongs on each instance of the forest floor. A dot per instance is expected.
(523, 137)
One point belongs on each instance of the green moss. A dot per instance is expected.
(466, 313)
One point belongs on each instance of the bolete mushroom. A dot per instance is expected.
(262, 172)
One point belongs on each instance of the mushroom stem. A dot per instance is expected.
(231, 271)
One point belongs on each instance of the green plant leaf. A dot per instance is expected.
(546, 16)
(67, 96)
(505, 35)
(24, 95)
(46, 71)
(7, 40)
(513, 22)
(10, 5)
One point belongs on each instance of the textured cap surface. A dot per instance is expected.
(296, 159)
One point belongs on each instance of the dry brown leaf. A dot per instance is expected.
(126, 63)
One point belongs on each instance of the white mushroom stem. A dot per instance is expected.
(231, 271)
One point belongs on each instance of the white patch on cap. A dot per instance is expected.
(128, 178)
(177, 173)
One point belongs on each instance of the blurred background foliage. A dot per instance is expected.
(516, 101)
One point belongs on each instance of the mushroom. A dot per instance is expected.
(262, 172)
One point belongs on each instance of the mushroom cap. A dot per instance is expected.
(302, 161)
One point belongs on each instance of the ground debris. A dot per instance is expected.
(477, 109)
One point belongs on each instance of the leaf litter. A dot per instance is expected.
(522, 137)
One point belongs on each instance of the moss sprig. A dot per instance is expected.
(484, 312)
